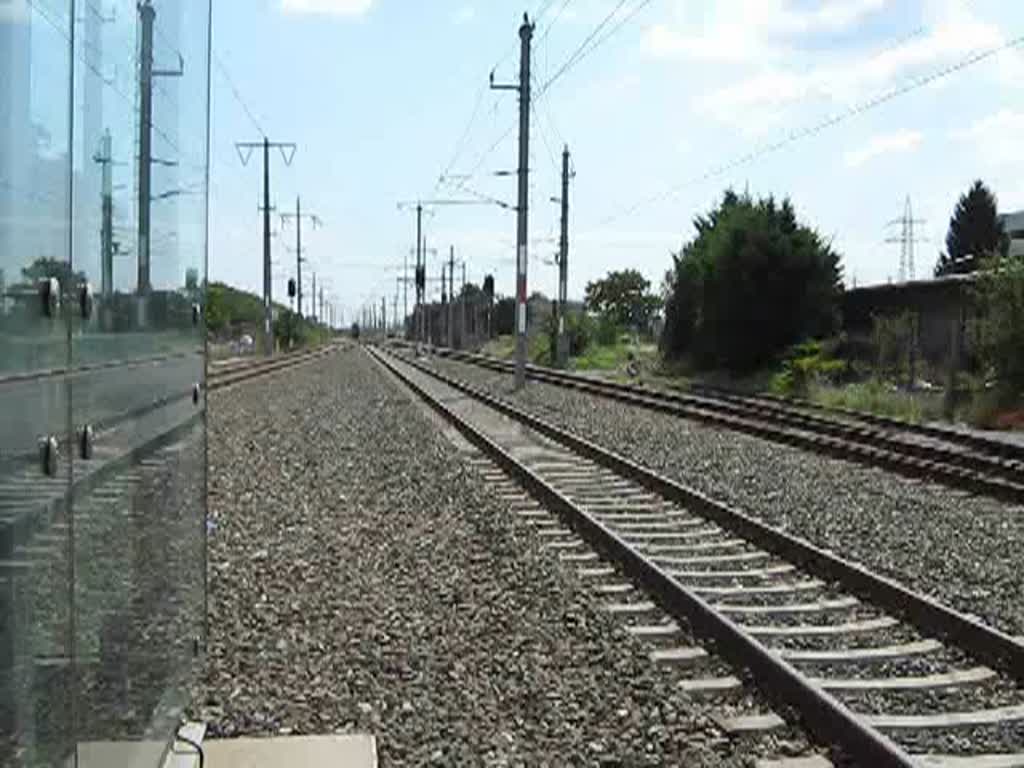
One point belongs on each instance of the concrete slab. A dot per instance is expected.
(339, 751)
(104, 754)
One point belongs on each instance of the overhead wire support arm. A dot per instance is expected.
(522, 208)
(146, 75)
(287, 150)
(317, 222)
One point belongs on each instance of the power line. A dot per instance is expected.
(487, 153)
(227, 77)
(589, 44)
(543, 134)
(581, 52)
(460, 145)
(815, 128)
(572, 57)
(551, 24)
(234, 91)
(611, 32)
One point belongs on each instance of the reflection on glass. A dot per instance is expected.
(35, 563)
(102, 274)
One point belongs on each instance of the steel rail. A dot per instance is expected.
(825, 716)
(997, 648)
(1005, 450)
(135, 362)
(789, 405)
(219, 380)
(981, 475)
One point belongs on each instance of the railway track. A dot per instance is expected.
(963, 461)
(139, 489)
(33, 489)
(880, 674)
(226, 373)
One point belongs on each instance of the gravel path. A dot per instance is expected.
(964, 550)
(362, 580)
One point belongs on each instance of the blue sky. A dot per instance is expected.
(377, 93)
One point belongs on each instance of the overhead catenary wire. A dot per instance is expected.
(589, 44)
(607, 35)
(222, 68)
(581, 49)
(543, 134)
(551, 24)
(461, 144)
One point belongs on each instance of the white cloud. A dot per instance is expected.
(762, 96)
(329, 7)
(901, 141)
(751, 30)
(985, 129)
(464, 15)
(996, 138)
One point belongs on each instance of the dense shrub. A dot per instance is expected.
(750, 284)
(999, 331)
(805, 365)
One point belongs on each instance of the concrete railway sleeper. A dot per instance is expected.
(884, 675)
(965, 462)
(867, 424)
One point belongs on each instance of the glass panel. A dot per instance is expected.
(35, 586)
(139, 500)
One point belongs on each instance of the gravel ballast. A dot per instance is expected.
(964, 550)
(362, 580)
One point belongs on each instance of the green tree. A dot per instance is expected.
(217, 315)
(45, 268)
(624, 297)
(227, 306)
(975, 232)
(999, 332)
(504, 316)
(471, 293)
(753, 282)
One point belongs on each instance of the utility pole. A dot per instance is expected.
(421, 250)
(298, 216)
(147, 17)
(104, 158)
(451, 297)
(268, 302)
(313, 308)
(522, 228)
(562, 346)
(462, 308)
(384, 315)
(442, 315)
(421, 273)
(321, 299)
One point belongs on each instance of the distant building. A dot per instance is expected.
(1013, 223)
(939, 304)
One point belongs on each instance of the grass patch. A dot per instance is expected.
(881, 399)
(615, 357)
(502, 347)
